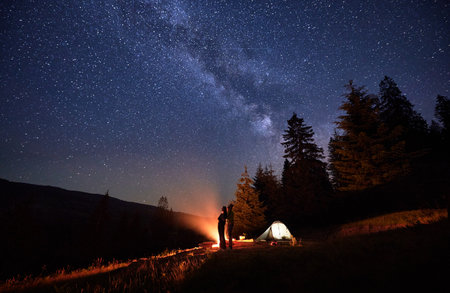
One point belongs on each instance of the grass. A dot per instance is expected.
(407, 218)
(161, 273)
(61, 275)
(392, 221)
(415, 259)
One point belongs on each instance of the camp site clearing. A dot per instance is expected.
(410, 259)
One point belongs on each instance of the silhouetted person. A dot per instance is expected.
(222, 220)
(230, 224)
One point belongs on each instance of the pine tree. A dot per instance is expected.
(365, 153)
(396, 111)
(305, 180)
(164, 215)
(267, 186)
(259, 183)
(334, 157)
(248, 210)
(163, 203)
(284, 175)
(442, 112)
(100, 221)
(299, 143)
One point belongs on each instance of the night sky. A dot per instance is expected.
(173, 98)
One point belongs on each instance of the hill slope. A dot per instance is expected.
(414, 259)
(48, 228)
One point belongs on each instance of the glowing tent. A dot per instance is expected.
(276, 231)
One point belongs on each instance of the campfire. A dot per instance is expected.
(236, 243)
(216, 245)
(207, 226)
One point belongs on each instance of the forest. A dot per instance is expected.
(383, 157)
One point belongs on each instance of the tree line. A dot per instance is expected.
(380, 146)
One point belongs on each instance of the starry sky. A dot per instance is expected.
(152, 98)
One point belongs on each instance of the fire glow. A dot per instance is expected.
(205, 205)
(207, 210)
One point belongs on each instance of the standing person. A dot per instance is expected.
(230, 224)
(221, 227)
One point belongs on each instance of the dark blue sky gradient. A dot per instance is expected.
(152, 98)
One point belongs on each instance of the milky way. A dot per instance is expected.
(152, 98)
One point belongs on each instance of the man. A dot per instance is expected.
(230, 223)
(221, 227)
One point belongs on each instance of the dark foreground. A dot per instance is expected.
(407, 260)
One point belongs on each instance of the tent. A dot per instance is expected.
(276, 231)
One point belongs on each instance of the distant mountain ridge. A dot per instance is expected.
(44, 198)
(51, 227)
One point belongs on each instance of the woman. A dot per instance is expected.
(230, 224)
(222, 220)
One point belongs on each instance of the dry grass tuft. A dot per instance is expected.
(160, 273)
(392, 221)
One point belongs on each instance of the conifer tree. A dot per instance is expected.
(163, 203)
(286, 166)
(299, 143)
(398, 115)
(365, 153)
(305, 180)
(164, 215)
(442, 112)
(333, 157)
(99, 226)
(281, 204)
(259, 183)
(267, 186)
(248, 210)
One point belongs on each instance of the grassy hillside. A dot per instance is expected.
(415, 259)
(411, 259)
(391, 221)
(47, 228)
